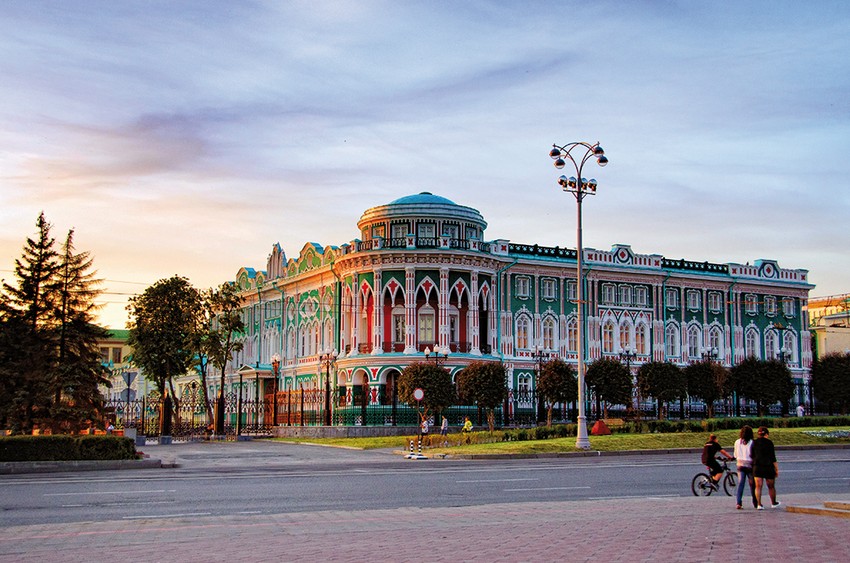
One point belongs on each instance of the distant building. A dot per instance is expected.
(126, 379)
(829, 320)
(423, 275)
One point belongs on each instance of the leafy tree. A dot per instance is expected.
(164, 334)
(610, 381)
(831, 381)
(764, 381)
(557, 384)
(223, 321)
(485, 383)
(709, 382)
(435, 381)
(663, 381)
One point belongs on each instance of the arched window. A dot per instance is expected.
(715, 341)
(771, 346)
(790, 347)
(399, 326)
(625, 336)
(608, 337)
(751, 345)
(329, 334)
(290, 343)
(641, 339)
(671, 340)
(694, 342)
(572, 335)
(523, 331)
(550, 334)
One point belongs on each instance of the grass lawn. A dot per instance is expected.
(614, 442)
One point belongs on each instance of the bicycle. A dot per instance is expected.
(703, 485)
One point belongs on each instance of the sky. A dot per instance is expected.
(187, 138)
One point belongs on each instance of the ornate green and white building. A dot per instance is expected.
(423, 274)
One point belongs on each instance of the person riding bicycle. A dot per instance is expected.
(709, 457)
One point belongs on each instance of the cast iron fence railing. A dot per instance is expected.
(257, 416)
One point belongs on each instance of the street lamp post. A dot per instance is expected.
(275, 371)
(328, 358)
(579, 187)
(539, 355)
(440, 355)
(628, 355)
(709, 354)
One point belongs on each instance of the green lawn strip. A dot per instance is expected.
(614, 442)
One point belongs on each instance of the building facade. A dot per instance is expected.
(422, 274)
(829, 320)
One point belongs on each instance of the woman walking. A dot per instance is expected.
(765, 467)
(744, 455)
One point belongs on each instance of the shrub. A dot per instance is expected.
(66, 448)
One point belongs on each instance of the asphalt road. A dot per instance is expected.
(233, 480)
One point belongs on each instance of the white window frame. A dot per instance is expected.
(641, 338)
(523, 332)
(694, 342)
(694, 299)
(608, 337)
(523, 287)
(751, 304)
(548, 288)
(672, 340)
(715, 301)
(770, 305)
(572, 335)
(640, 296)
(789, 308)
(671, 296)
(625, 295)
(608, 293)
(572, 290)
(751, 343)
(399, 327)
(550, 334)
(425, 325)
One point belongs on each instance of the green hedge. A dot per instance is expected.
(712, 424)
(66, 448)
(655, 426)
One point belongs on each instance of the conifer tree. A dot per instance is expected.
(79, 369)
(28, 329)
(49, 362)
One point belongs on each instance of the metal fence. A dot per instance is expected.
(255, 416)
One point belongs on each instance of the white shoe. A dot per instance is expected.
(759, 507)
(775, 504)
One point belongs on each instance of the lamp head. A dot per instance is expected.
(602, 160)
(559, 163)
(555, 152)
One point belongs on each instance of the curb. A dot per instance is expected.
(598, 453)
(23, 467)
(833, 509)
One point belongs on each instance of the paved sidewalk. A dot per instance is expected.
(646, 529)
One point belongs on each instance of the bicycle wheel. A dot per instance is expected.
(730, 483)
(701, 485)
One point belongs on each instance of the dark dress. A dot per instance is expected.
(764, 456)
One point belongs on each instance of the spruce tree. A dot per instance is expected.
(28, 329)
(79, 369)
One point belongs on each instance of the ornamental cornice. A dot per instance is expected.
(401, 260)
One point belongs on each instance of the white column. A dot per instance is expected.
(410, 310)
(378, 315)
